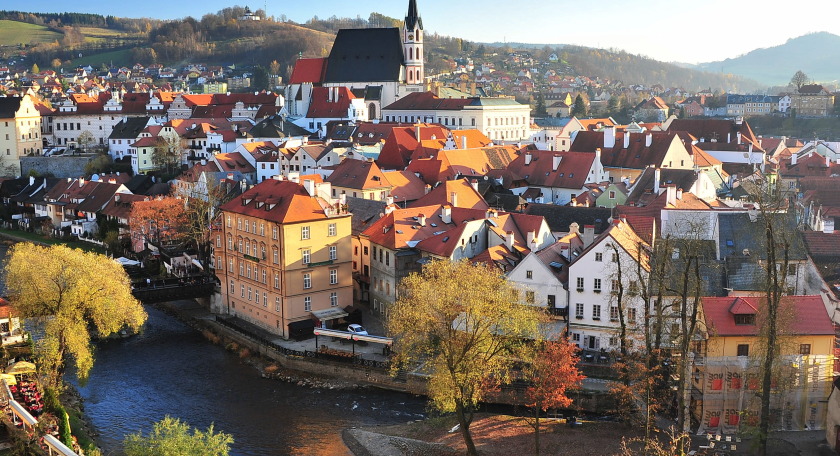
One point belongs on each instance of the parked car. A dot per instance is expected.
(357, 329)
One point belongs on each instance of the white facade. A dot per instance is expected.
(500, 119)
(533, 275)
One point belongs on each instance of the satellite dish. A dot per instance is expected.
(95, 177)
(80, 55)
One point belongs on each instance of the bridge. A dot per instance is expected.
(172, 289)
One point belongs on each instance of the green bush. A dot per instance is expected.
(64, 433)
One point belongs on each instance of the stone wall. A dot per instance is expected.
(61, 167)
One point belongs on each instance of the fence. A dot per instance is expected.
(357, 360)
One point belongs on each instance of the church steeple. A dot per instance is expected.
(413, 19)
(413, 45)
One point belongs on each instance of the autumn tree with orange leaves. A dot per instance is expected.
(552, 372)
(160, 220)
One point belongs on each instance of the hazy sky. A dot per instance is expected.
(670, 30)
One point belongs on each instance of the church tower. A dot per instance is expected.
(413, 45)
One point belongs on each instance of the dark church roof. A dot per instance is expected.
(276, 127)
(365, 55)
(413, 18)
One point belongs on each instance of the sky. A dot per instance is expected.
(689, 31)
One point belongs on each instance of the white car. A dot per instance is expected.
(357, 329)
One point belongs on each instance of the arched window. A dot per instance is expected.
(418, 75)
(410, 53)
(372, 111)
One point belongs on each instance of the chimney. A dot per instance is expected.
(532, 235)
(527, 158)
(427, 189)
(609, 137)
(464, 142)
(422, 219)
(294, 177)
(671, 195)
(490, 213)
(417, 133)
(793, 157)
(81, 182)
(626, 140)
(474, 185)
(753, 213)
(657, 175)
(31, 180)
(623, 218)
(588, 235)
(728, 138)
(203, 162)
(230, 176)
(389, 200)
(648, 140)
(574, 228)
(827, 160)
(388, 209)
(329, 94)
(453, 198)
(309, 185)
(828, 225)
(739, 137)
(446, 214)
(509, 240)
(555, 162)
(597, 158)
(342, 198)
(679, 194)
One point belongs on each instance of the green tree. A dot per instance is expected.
(35, 69)
(274, 68)
(579, 109)
(614, 105)
(172, 437)
(467, 325)
(259, 81)
(540, 110)
(67, 292)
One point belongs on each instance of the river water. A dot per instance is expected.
(170, 369)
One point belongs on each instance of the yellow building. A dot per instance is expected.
(727, 365)
(812, 100)
(20, 132)
(285, 260)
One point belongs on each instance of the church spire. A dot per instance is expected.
(412, 19)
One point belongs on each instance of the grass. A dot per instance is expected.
(119, 58)
(13, 33)
(51, 241)
(78, 430)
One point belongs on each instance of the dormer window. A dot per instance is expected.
(745, 319)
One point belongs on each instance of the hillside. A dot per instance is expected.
(816, 54)
(13, 33)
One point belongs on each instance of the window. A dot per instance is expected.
(277, 304)
(614, 285)
(530, 297)
(262, 229)
(804, 349)
(791, 269)
(307, 281)
(242, 288)
(615, 258)
(529, 274)
(633, 289)
(333, 252)
(241, 268)
(262, 252)
(334, 299)
(306, 257)
(596, 285)
(631, 315)
(743, 350)
(249, 294)
(575, 337)
(613, 313)
(331, 229)
(307, 304)
(265, 299)
(274, 233)
(613, 340)
(240, 245)
(246, 226)
(276, 280)
(596, 312)
(612, 194)
(304, 232)
(333, 276)
(599, 256)
(230, 243)
(745, 319)
(580, 283)
(218, 240)
(263, 276)
(276, 255)
(366, 251)
(254, 227)
(387, 258)
(230, 263)
(232, 287)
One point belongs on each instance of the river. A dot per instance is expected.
(170, 369)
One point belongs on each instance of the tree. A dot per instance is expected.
(56, 63)
(172, 437)
(614, 105)
(260, 81)
(551, 371)
(35, 69)
(466, 324)
(799, 79)
(68, 291)
(99, 164)
(167, 151)
(579, 109)
(159, 221)
(85, 140)
(202, 202)
(540, 110)
(274, 68)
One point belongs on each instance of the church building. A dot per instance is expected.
(377, 65)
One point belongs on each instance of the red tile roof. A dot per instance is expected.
(277, 201)
(358, 174)
(428, 101)
(401, 143)
(467, 196)
(571, 173)
(405, 185)
(638, 155)
(808, 315)
(234, 161)
(309, 70)
(321, 106)
(822, 244)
